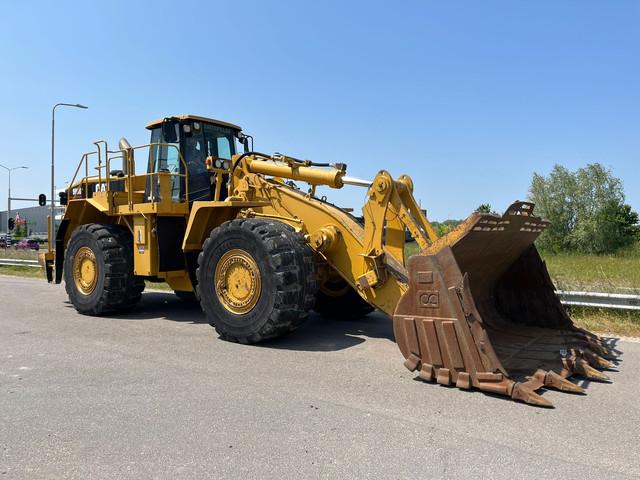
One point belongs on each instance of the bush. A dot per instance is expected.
(442, 228)
(586, 209)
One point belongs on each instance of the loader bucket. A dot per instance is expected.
(481, 312)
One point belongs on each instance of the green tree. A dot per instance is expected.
(586, 209)
(442, 228)
(484, 208)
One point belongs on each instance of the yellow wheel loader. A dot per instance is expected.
(237, 232)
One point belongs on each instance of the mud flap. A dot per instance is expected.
(481, 312)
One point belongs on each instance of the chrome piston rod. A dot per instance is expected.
(358, 182)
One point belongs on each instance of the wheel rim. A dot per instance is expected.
(237, 281)
(85, 271)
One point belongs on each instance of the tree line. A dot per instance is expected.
(586, 207)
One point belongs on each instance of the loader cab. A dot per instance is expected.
(196, 138)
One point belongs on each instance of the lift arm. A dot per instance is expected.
(369, 257)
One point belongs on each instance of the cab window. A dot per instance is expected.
(164, 158)
(220, 141)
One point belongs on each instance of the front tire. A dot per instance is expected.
(256, 280)
(98, 270)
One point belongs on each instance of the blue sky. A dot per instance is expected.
(469, 98)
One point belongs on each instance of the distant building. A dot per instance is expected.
(35, 216)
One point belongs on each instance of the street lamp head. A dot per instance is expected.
(80, 106)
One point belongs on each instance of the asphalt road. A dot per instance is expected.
(155, 394)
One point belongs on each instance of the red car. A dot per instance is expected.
(28, 244)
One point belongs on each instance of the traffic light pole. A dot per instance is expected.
(9, 203)
(42, 201)
(9, 170)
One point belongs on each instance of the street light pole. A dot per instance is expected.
(9, 170)
(53, 133)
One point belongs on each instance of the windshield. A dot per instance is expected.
(198, 141)
(220, 141)
(201, 141)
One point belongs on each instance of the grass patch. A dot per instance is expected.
(22, 271)
(410, 249)
(158, 286)
(617, 322)
(19, 254)
(597, 273)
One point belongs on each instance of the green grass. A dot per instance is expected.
(616, 322)
(598, 273)
(619, 273)
(158, 286)
(22, 271)
(21, 254)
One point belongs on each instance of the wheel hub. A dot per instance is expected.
(85, 271)
(237, 281)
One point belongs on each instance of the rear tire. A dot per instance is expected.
(256, 280)
(98, 270)
(337, 299)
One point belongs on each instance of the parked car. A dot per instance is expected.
(28, 244)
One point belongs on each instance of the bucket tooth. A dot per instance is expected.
(427, 373)
(581, 367)
(524, 393)
(412, 362)
(597, 361)
(553, 380)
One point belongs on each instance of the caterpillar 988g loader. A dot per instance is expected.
(474, 309)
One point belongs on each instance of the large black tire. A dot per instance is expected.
(116, 287)
(287, 275)
(337, 299)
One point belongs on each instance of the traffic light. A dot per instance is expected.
(42, 199)
(11, 223)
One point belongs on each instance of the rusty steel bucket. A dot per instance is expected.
(481, 312)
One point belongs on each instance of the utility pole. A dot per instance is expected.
(52, 224)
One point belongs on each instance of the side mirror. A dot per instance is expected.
(169, 133)
(244, 139)
(42, 199)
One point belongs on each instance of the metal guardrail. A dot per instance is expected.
(619, 301)
(17, 262)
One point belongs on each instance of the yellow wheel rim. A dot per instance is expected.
(85, 271)
(237, 281)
